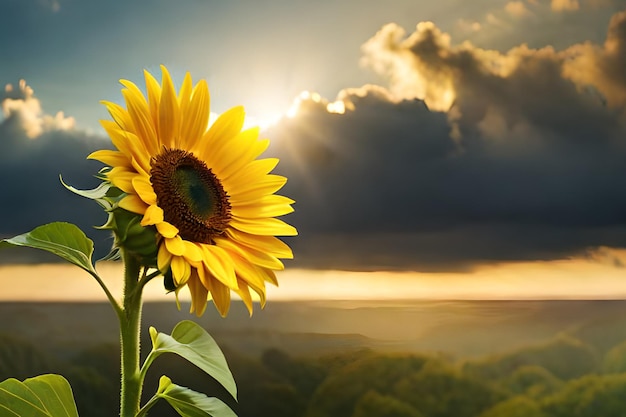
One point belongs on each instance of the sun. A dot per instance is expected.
(263, 121)
(270, 115)
(266, 111)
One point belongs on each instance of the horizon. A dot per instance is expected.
(551, 281)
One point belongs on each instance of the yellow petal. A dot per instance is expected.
(268, 244)
(269, 276)
(122, 178)
(185, 90)
(142, 165)
(110, 158)
(128, 143)
(221, 296)
(227, 126)
(235, 153)
(218, 262)
(133, 204)
(196, 116)
(264, 227)
(261, 294)
(199, 294)
(120, 115)
(142, 120)
(175, 245)
(181, 270)
(204, 276)
(253, 275)
(169, 112)
(250, 172)
(185, 94)
(153, 215)
(266, 206)
(193, 253)
(135, 92)
(269, 199)
(144, 190)
(244, 293)
(266, 185)
(167, 230)
(259, 147)
(154, 93)
(164, 257)
(254, 256)
(261, 210)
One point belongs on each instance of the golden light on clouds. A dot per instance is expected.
(263, 121)
(405, 61)
(299, 101)
(338, 107)
(564, 5)
(468, 25)
(598, 276)
(568, 279)
(517, 9)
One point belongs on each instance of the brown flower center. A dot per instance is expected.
(191, 196)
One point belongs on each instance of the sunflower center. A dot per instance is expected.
(191, 196)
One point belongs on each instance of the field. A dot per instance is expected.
(353, 358)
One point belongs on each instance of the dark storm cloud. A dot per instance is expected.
(468, 156)
(523, 160)
(35, 149)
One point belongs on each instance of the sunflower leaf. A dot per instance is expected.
(43, 396)
(62, 239)
(189, 403)
(193, 343)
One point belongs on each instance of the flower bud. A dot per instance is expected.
(132, 237)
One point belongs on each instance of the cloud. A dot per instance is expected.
(602, 66)
(517, 9)
(469, 156)
(35, 148)
(21, 104)
(564, 5)
(395, 56)
(468, 25)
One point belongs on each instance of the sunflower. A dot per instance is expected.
(211, 201)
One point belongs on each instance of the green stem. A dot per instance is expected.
(147, 277)
(130, 323)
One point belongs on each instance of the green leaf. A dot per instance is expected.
(63, 239)
(193, 343)
(43, 396)
(189, 403)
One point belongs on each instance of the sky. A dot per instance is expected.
(446, 137)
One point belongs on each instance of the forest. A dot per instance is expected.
(577, 372)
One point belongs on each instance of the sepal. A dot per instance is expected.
(126, 226)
